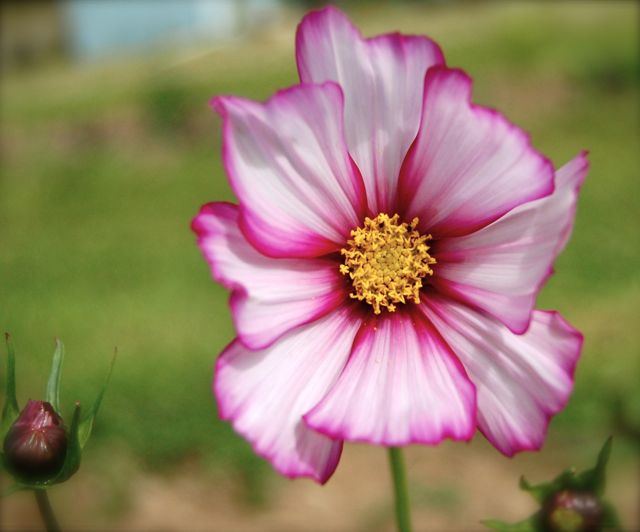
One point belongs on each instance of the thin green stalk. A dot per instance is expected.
(46, 511)
(398, 472)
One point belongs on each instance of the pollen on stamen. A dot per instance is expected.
(386, 262)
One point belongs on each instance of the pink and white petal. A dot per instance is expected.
(521, 380)
(270, 296)
(501, 267)
(569, 179)
(382, 79)
(265, 393)
(402, 385)
(468, 165)
(300, 193)
(514, 310)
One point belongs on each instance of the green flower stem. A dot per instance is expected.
(46, 511)
(398, 472)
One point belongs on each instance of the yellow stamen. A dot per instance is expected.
(386, 262)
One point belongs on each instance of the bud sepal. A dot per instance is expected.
(572, 502)
(10, 410)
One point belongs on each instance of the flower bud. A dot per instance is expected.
(36, 444)
(573, 511)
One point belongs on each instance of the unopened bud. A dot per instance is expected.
(36, 444)
(574, 511)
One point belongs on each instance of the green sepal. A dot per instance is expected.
(74, 451)
(539, 492)
(11, 410)
(86, 425)
(595, 479)
(53, 385)
(528, 525)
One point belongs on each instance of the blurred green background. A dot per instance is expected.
(105, 163)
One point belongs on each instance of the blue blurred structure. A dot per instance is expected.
(100, 28)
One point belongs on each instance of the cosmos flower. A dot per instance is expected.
(390, 240)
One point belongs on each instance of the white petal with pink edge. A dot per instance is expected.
(521, 380)
(300, 193)
(265, 393)
(402, 385)
(501, 267)
(468, 165)
(271, 296)
(382, 79)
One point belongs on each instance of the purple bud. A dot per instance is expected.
(36, 444)
(573, 511)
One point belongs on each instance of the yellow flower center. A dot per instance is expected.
(386, 262)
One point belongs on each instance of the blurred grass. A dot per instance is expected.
(103, 168)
